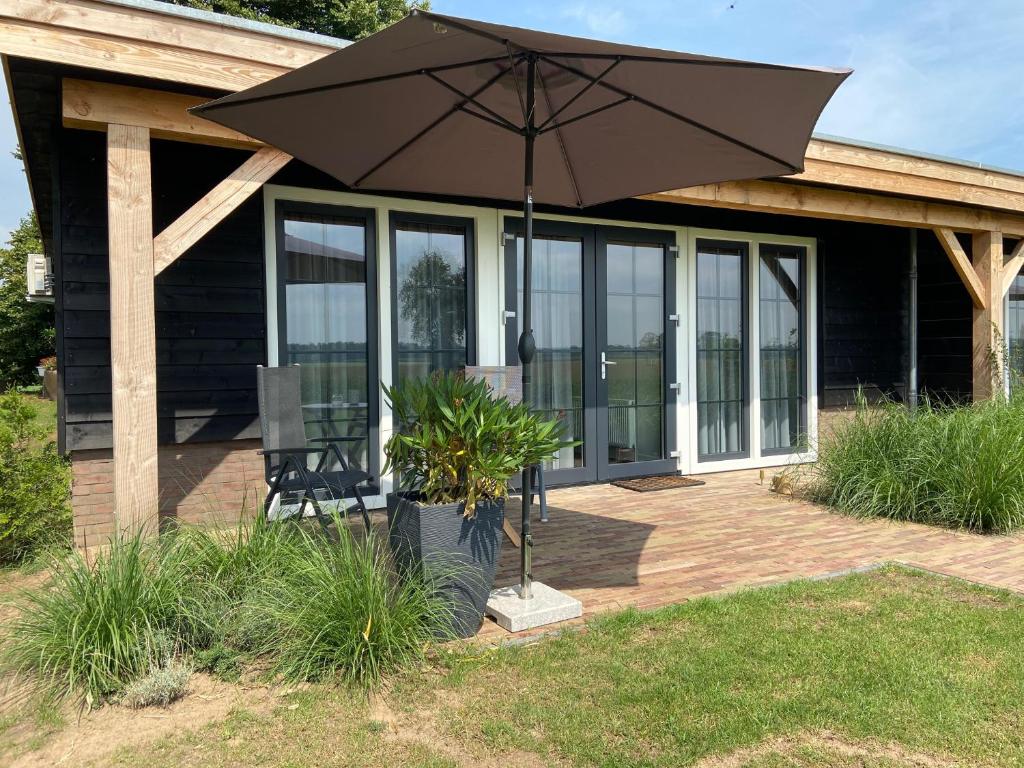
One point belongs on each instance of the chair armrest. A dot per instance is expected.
(336, 439)
(271, 451)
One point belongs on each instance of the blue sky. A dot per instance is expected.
(941, 76)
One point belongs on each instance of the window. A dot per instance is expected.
(783, 389)
(721, 368)
(431, 295)
(325, 316)
(556, 387)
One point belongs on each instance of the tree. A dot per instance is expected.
(26, 330)
(349, 19)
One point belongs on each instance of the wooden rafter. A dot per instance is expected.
(962, 265)
(93, 106)
(1013, 265)
(214, 207)
(817, 202)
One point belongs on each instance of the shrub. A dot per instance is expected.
(163, 685)
(97, 627)
(336, 609)
(459, 443)
(34, 482)
(954, 466)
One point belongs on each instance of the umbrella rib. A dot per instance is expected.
(675, 115)
(503, 124)
(515, 82)
(420, 134)
(589, 113)
(561, 143)
(554, 115)
(496, 116)
(217, 104)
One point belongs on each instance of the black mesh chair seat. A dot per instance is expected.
(287, 453)
(338, 483)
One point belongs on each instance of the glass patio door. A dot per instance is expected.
(636, 352)
(605, 346)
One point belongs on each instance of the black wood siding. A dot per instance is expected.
(945, 319)
(210, 318)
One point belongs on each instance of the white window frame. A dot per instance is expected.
(752, 346)
(489, 224)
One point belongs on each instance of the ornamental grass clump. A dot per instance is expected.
(98, 626)
(953, 466)
(336, 610)
(456, 442)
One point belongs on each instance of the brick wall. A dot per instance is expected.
(203, 482)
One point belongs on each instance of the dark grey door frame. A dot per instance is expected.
(595, 427)
(668, 464)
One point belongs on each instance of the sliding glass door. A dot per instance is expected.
(326, 319)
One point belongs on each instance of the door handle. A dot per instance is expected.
(605, 362)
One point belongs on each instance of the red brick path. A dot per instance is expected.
(614, 548)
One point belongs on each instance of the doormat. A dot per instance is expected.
(657, 483)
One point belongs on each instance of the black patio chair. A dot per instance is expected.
(507, 381)
(286, 450)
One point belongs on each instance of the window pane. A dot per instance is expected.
(556, 386)
(1015, 332)
(431, 298)
(781, 352)
(326, 311)
(635, 326)
(721, 383)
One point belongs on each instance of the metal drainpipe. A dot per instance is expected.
(912, 322)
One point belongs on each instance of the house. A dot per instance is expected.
(694, 330)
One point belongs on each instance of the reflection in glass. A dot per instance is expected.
(430, 264)
(325, 301)
(1015, 332)
(721, 386)
(782, 380)
(556, 386)
(635, 325)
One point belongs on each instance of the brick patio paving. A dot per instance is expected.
(614, 548)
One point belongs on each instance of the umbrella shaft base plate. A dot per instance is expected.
(546, 606)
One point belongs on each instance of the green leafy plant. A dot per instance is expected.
(953, 466)
(457, 442)
(34, 484)
(163, 685)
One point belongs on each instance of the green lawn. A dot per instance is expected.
(881, 670)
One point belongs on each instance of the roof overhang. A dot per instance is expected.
(190, 50)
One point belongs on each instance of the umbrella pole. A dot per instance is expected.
(527, 345)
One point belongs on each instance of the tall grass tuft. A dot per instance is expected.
(336, 609)
(95, 627)
(953, 466)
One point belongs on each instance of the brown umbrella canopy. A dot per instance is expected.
(436, 105)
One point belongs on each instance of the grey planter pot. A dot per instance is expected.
(458, 557)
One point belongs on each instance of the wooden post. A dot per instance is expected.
(987, 260)
(132, 328)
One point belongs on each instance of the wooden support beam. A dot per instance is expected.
(214, 207)
(132, 328)
(817, 202)
(1013, 266)
(93, 106)
(987, 327)
(975, 285)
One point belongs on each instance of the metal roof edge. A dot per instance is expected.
(224, 20)
(914, 153)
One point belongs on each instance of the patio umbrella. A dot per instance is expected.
(441, 105)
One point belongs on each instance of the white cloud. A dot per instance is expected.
(599, 20)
